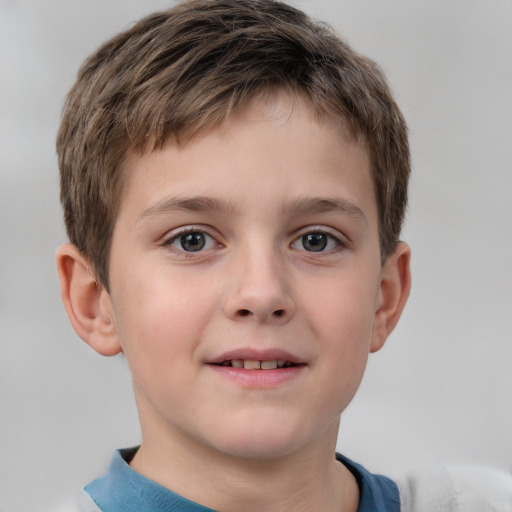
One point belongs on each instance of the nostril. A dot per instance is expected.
(261, 316)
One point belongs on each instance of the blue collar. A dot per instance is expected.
(377, 493)
(124, 490)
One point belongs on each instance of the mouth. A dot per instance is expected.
(257, 368)
(251, 364)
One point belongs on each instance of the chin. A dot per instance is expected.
(262, 441)
(260, 452)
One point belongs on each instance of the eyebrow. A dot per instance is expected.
(313, 205)
(299, 206)
(191, 204)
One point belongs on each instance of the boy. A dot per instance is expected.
(234, 180)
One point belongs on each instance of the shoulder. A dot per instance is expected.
(455, 489)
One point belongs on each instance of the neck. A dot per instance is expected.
(307, 479)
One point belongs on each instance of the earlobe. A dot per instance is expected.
(87, 303)
(395, 286)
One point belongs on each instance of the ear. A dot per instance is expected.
(395, 285)
(87, 303)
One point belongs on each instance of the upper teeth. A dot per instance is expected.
(249, 364)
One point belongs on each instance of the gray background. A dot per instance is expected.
(441, 389)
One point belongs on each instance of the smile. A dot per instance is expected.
(249, 364)
(258, 373)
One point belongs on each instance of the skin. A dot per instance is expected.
(271, 175)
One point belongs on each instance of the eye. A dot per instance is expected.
(316, 241)
(191, 241)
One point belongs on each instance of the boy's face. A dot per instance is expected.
(256, 241)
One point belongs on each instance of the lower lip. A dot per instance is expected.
(259, 378)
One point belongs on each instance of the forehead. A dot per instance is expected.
(275, 139)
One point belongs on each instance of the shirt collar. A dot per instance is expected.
(377, 493)
(124, 490)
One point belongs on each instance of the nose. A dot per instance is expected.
(260, 289)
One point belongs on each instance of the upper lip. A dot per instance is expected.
(251, 354)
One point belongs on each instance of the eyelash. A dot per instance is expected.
(329, 239)
(315, 238)
(168, 242)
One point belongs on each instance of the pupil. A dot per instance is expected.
(314, 242)
(192, 242)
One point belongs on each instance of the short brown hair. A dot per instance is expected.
(177, 71)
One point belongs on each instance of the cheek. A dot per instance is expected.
(161, 317)
(342, 313)
(341, 320)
